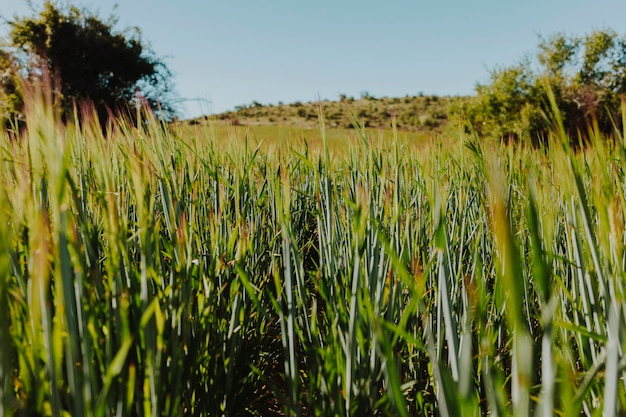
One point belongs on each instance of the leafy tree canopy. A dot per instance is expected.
(86, 61)
(11, 96)
(587, 75)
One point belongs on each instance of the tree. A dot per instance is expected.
(11, 96)
(587, 76)
(87, 61)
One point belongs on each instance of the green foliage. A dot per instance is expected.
(585, 74)
(86, 61)
(11, 95)
(504, 106)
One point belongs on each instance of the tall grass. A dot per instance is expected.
(154, 271)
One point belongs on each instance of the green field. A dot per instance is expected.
(216, 270)
(272, 139)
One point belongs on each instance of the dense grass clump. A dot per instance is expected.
(154, 272)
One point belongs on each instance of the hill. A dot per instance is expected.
(425, 113)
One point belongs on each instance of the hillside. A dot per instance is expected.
(413, 113)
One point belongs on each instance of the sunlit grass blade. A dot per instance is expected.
(7, 350)
(512, 293)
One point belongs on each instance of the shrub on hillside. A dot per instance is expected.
(586, 76)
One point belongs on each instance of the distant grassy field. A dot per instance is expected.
(168, 271)
(339, 141)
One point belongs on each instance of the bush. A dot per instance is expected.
(586, 76)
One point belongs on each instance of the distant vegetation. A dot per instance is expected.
(414, 113)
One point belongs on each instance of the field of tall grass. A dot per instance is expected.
(166, 272)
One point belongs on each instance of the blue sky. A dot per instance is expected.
(227, 53)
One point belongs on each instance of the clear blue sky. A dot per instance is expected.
(227, 53)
